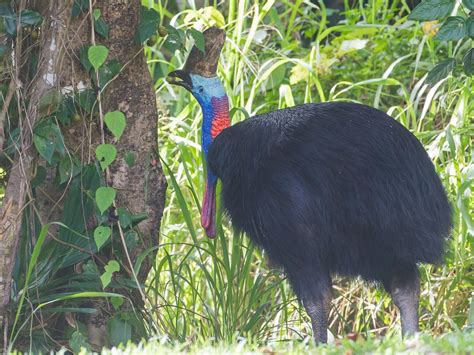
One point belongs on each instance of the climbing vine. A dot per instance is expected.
(94, 233)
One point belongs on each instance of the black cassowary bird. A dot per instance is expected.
(331, 188)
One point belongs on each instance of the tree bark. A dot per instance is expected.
(140, 188)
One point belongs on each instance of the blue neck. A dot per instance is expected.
(210, 94)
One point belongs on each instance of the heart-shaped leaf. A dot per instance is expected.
(106, 154)
(111, 267)
(104, 197)
(116, 302)
(97, 55)
(101, 234)
(115, 122)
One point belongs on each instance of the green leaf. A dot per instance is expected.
(131, 239)
(107, 72)
(50, 102)
(97, 55)
(115, 122)
(116, 302)
(106, 154)
(149, 22)
(86, 100)
(429, 10)
(440, 71)
(469, 4)
(470, 26)
(468, 62)
(48, 139)
(125, 217)
(79, 6)
(30, 18)
(111, 267)
(120, 331)
(27, 18)
(69, 167)
(96, 14)
(5, 10)
(78, 341)
(101, 27)
(66, 111)
(104, 197)
(83, 57)
(453, 29)
(101, 234)
(129, 159)
(137, 218)
(198, 39)
(175, 40)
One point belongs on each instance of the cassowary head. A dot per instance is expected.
(198, 76)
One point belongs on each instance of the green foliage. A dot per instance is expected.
(175, 39)
(441, 70)
(97, 55)
(106, 154)
(111, 267)
(115, 122)
(453, 28)
(100, 26)
(149, 22)
(78, 341)
(198, 38)
(10, 19)
(101, 235)
(469, 4)
(452, 343)
(48, 140)
(79, 6)
(429, 10)
(120, 330)
(106, 73)
(104, 197)
(468, 62)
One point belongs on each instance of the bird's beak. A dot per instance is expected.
(180, 78)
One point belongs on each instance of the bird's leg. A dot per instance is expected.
(318, 310)
(405, 293)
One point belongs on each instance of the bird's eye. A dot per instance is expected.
(201, 90)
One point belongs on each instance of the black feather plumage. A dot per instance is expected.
(333, 188)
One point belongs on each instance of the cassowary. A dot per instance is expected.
(330, 188)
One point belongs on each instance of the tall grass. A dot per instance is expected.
(224, 289)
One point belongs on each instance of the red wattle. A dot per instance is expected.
(208, 213)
